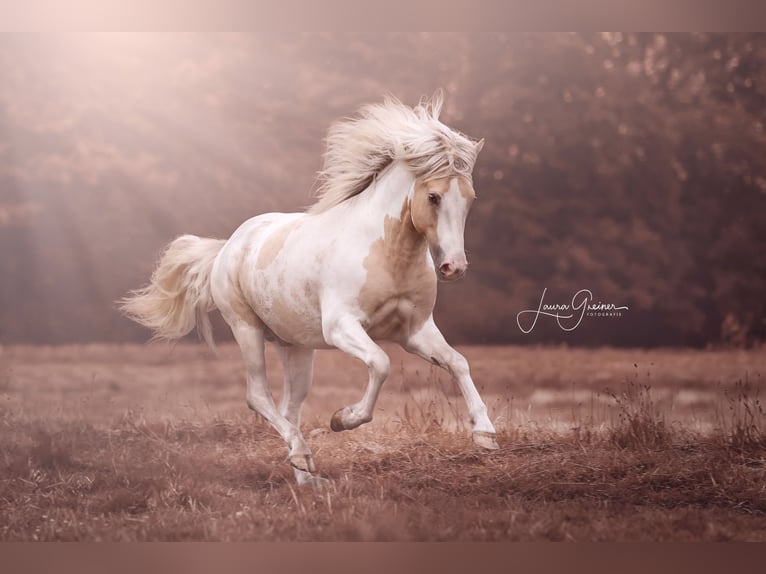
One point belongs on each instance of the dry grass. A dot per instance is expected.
(155, 443)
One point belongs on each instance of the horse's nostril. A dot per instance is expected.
(445, 268)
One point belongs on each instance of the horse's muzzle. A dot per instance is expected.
(452, 271)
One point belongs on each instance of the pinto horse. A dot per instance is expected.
(360, 266)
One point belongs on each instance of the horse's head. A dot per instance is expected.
(439, 208)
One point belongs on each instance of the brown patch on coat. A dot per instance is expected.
(400, 291)
(424, 215)
(466, 188)
(293, 315)
(293, 323)
(273, 244)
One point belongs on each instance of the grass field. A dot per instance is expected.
(110, 442)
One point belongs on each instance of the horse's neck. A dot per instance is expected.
(384, 207)
(388, 204)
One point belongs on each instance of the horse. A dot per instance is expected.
(358, 266)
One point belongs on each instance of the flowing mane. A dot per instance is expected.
(361, 147)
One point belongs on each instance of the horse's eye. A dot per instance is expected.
(434, 198)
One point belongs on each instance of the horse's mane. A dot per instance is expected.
(361, 147)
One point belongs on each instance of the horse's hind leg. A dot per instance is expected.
(250, 338)
(298, 363)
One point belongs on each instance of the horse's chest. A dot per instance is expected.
(397, 302)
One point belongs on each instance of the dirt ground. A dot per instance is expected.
(155, 442)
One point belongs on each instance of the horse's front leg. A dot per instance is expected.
(430, 344)
(348, 335)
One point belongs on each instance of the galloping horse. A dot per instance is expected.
(361, 265)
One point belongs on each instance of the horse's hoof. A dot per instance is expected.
(336, 422)
(486, 440)
(303, 462)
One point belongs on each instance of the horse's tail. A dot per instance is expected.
(178, 296)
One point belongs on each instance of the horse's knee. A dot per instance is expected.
(457, 365)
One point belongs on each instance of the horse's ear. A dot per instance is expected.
(479, 145)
